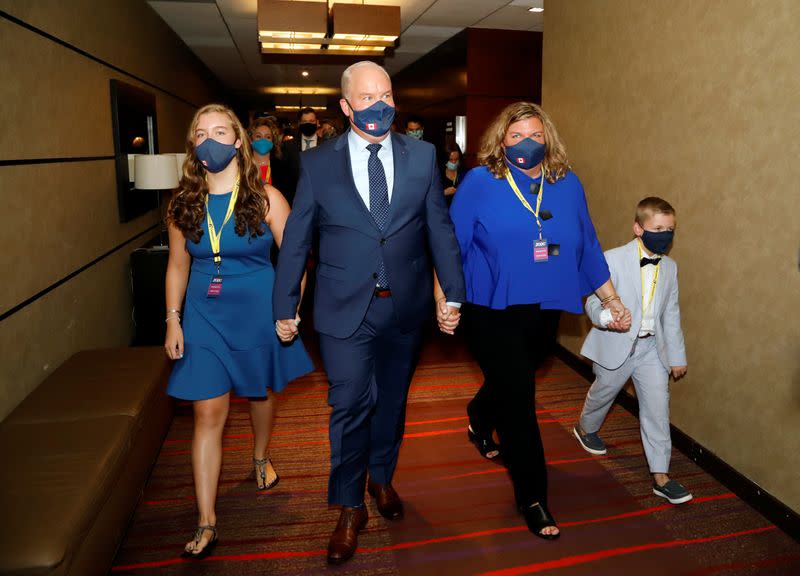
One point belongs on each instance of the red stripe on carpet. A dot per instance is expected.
(603, 554)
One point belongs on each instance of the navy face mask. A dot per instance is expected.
(657, 242)
(526, 154)
(215, 156)
(375, 120)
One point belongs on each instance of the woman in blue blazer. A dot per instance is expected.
(529, 250)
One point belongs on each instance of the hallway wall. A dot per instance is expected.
(697, 102)
(62, 216)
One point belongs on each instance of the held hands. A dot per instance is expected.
(678, 372)
(173, 343)
(287, 329)
(447, 316)
(621, 321)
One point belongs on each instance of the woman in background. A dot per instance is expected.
(453, 172)
(222, 221)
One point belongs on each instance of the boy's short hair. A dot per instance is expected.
(650, 206)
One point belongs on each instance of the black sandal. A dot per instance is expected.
(538, 517)
(262, 474)
(209, 547)
(485, 445)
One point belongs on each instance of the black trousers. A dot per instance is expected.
(509, 345)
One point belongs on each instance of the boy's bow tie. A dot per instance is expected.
(646, 261)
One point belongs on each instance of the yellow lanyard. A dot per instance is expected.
(646, 305)
(213, 236)
(525, 203)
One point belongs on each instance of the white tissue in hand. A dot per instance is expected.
(606, 317)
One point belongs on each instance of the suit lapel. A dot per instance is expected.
(343, 149)
(635, 272)
(400, 162)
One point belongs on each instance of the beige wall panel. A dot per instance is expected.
(56, 103)
(697, 102)
(125, 33)
(59, 217)
(93, 310)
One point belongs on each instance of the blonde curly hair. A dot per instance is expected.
(492, 155)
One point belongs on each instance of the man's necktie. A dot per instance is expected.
(378, 201)
(645, 261)
(306, 144)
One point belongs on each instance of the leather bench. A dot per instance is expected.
(76, 454)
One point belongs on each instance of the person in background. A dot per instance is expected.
(649, 353)
(306, 140)
(529, 250)
(222, 220)
(415, 127)
(268, 156)
(453, 172)
(327, 131)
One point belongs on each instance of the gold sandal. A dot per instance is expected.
(261, 467)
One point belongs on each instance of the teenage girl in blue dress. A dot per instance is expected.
(222, 221)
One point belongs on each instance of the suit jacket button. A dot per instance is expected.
(375, 275)
(383, 241)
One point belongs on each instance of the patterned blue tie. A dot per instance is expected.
(378, 201)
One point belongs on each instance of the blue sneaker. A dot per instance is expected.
(590, 441)
(672, 491)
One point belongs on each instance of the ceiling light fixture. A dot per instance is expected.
(302, 27)
(304, 73)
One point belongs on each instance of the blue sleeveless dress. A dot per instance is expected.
(230, 340)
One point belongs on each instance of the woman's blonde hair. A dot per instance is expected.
(273, 128)
(493, 156)
(187, 206)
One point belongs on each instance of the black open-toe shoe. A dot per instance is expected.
(485, 444)
(210, 545)
(538, 517)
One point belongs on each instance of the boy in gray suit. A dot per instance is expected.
(648, 352)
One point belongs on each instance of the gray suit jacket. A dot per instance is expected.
(610, 349)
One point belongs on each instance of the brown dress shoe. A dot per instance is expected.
(389, 504)
(344, 539)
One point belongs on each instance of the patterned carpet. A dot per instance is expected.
(460, 514)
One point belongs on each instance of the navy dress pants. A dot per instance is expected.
(369, 374)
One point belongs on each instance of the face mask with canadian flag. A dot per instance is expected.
(525, 154)
(375, 120)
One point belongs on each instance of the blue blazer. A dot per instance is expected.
(419, 232)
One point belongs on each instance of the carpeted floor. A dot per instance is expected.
(460, 514)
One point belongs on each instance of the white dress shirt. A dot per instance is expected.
(307, 142)
(648, 314)
(359, 156)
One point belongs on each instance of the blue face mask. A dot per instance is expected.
(658, 242)
(375, 120)
(262, 146)
(416, 134)
(215, 156)
(452, 165)
(526, 154)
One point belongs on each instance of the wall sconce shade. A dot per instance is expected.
(155, 172)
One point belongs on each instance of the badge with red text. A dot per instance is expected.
(215, 288)
(540, 250)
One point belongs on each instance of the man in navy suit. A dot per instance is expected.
(376, 200)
